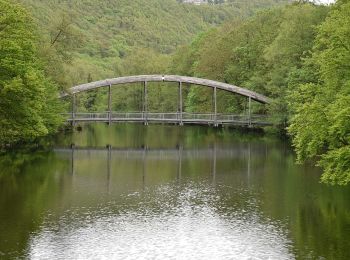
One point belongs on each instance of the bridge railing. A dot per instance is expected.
(78, 116)
(170, 117)
(144, 115)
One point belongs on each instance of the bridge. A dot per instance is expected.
(180, 116)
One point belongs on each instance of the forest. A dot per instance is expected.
(296, 53)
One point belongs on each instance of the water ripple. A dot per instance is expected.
(167, 223)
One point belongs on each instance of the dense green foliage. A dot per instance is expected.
(28, 100)
(321, 106)
(261, 54)
(96, 39)
(88, 40)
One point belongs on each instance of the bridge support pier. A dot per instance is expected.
(215, 109)
(249, 112)
(180, 104)
(109, 104)
(73, 109)
(144, 110)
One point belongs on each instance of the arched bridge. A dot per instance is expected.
(179, 116)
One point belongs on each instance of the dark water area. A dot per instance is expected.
(165, 192)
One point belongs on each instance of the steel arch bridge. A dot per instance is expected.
(180, 117)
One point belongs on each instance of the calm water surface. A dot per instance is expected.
(165, 192)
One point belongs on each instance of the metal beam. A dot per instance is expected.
(109, 104)
(215, 109)
(73, 109)
(250, 112)
(145, 102)
(169, 78)
(180, 103)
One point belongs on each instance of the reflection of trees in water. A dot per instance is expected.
(242, 159)
(316, 216)
(27, 189)
(145, 154)
(13, 163)
(265, 174)
(135, 135)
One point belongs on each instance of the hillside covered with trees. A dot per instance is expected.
(90, 40)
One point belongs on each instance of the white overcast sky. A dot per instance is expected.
(324, 1)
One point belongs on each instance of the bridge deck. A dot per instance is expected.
(171, 118)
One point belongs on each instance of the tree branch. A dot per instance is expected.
(56, 38)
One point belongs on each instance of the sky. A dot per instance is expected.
(324, 1)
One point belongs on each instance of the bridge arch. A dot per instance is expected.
(179, 117)
(169, 78)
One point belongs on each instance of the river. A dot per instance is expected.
(166, 192)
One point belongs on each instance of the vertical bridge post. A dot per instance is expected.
(73, 109)
(215, 109)
(144, 112)
(109, 104)
(180, 102)
(250, 112)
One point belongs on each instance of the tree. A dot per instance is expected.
(28, 100)
(321, 125)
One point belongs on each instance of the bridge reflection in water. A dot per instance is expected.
(144, 154)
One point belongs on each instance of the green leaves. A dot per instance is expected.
(321, 125)
(26, 95)
(264, 53)
(336, 165)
